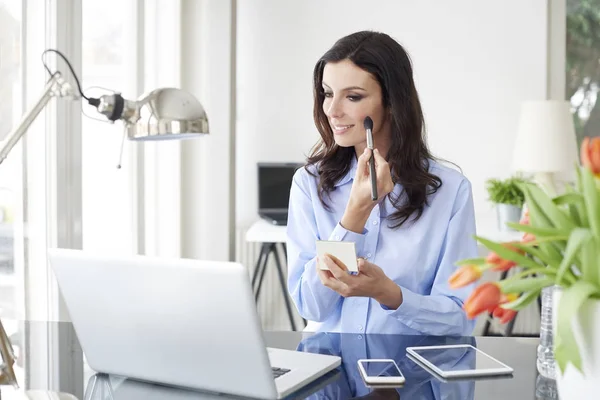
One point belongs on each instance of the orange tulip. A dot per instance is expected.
(500, 264)
(492, 258)
(485, 297)
(503, 314)
(503, 265)
(590, 154)
(525, 219)
(528, 237)
(510, 246)
(464, 276)
(505, 298)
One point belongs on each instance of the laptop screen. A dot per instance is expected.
(274, 183)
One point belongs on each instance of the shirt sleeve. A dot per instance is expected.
(314, 301)
(440, 312)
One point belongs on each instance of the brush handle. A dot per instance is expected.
(373, 176)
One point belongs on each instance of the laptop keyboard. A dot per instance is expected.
(277, 372)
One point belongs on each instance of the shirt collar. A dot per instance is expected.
(349, 175)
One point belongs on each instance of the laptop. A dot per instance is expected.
(99, 385)
(274, 184)
(179, 322)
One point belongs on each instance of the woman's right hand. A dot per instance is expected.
(360, 204)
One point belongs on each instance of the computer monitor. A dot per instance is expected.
(274, 184)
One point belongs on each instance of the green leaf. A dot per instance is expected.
(574, 207)
(536, 214)
(523, 301)
(577, 239)
(556, 215)
(568, 198)
(592, 201)
(565, 346)
(508, 254)
(576, 215)
(540, 254)
(506, 191)
(579, 187)
(581, 208)
(471, 261)
(539, 232)
(542, 270)
(525, 285)
(549, 239)
(556, 248)
(590, 262)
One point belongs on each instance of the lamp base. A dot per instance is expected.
(546, 181)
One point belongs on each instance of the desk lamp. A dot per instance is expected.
(162, 114)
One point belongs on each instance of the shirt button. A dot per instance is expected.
(360, 328)
(375, 222)
(337, 237)
(368, 255)
(359, 337)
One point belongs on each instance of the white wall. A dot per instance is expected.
(474, 63)
(207, 29)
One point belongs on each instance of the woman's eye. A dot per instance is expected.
(354, 98)
(327, 94)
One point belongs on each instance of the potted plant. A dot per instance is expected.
(561, 246)
(508, 198)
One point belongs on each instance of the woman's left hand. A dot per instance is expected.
(370, 281)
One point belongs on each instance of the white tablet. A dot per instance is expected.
(459, 361)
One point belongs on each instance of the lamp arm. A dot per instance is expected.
(55, 86)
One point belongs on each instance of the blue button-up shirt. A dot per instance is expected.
(418, 256)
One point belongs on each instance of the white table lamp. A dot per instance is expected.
(546, 142)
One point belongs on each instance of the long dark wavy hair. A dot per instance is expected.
(408, 156)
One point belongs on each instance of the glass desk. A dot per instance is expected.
(343, 383)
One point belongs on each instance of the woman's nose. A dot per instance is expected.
(334, 109)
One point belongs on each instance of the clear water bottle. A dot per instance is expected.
(545, 351)
(545, 389)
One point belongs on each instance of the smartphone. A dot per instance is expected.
(380, 372)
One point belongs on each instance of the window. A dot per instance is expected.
(107, 201)
(11, 82)
(62, 175)
(583, 65)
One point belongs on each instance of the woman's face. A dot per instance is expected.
(351, 94)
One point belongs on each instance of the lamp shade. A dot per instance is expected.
(546, 141)
(168, 113)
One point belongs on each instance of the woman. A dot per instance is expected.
(408, 240)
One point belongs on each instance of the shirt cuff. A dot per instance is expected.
(342, 234)
(411, 304)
